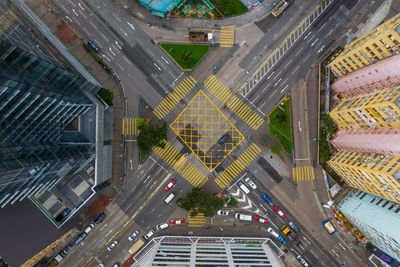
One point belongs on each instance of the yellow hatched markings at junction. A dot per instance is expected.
(245, 113)
(198, 220)
(238, 166)
(129, 126)
(186, 169)
(227, 37)
(303, 173)
(168, 103)
(217, 88)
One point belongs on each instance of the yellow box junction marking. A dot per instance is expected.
(200, 125)
(168, 103)
(227, 37)
(238, 165)
(170, 155)
(303, 173)
(129, 126)
(223, 94)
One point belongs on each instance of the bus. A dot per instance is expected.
(329, 226)
(136, 246)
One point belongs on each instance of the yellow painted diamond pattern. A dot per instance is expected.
(186, 169)
(227, 37)
(200, 125)
(168, 103)
(303, 173)
(238, 165)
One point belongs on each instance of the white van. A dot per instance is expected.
(272, 232)
(169, 198)
(161, 226)
(243, 217)
(89, 228)
(149, 234)
(243, 187)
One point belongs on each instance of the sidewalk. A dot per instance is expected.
(73, 42)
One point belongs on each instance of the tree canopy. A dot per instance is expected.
(199, 200)
(150, 136)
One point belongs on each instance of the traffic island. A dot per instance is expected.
(187, 56)
(280, 124)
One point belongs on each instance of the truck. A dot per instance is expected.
(292, 237)
(200, 36)
(329, 226)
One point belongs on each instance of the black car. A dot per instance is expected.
(67, 249)
(62, 215)
(223, 139)
(99, 218)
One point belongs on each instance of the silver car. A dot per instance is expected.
(112, 245)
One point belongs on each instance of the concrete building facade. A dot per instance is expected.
(377, 218)
(378, 44)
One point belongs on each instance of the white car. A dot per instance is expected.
(272, 232)
(302, 261)
(251, 183)
(149, 234)
(133, 235)
(223, 212)
(162, 226)
(113, 245)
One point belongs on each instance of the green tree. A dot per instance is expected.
(186, 55)
(199, 200)
(150, 136)
(107, 96)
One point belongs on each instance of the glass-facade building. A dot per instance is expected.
(187, 251)
(49, 119)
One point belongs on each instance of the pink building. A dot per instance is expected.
(373, 77)
(382, 141)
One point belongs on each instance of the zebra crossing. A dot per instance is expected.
(186, 169)
(180, 91)
(227, 37)
(303, 173)
(238, 166)
(245, 113)
(217, 88)
(129, 126)
(198, 220)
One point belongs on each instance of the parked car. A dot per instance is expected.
(60, 217)
(149, 234)
(133, 235)
(169, 185)
(272, 232)
(223, 212)
(93, 46)
(99, 218)
(265, 197)
(162, 226)
(177, 221)
(302, 261)
(280, 212)
(112, 245)
(89, 228)
(251, 183)
(293, 226)
(80, 238)
(117, 264)
(282, 240)
(67, 249)
(260, 219)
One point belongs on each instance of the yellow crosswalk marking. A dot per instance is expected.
(245, 113)
(217, 88)
(238, 165)
(170, 155)
(129, 126)
(197, 220)
(180, 91)
(303, 173)
(227, 37)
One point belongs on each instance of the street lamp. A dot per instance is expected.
(91, 14)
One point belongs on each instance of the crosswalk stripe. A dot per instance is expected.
(169, 102)
(303, 173)
(129, 126)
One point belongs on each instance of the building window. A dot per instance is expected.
(372, 200)
(384, 205)
(363, 195)
(379, 202)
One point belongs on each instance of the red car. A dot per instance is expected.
(280, 212)
(169, 185)
(177, 221)
(260, 219)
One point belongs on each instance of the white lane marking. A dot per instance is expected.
(306, 58)
(270, 74)
(93, 25)
(161, 64)
(279, 73)
(320, 50)
(305, 37)
(299, 51)
(123, 31)
(171, 74)
(115, 48)
(307, 240)
(103, 227)
(120, 66)
(102, 34)
(313, 43)
(115, 16)
(330, 31)
(147, 178)
(299, 126)
(322, 26)
(87, 32)
(157, 66)
(271, 95)
(66, 10)
(98, 44)
(79, 4)
(82, 14)
(277, 82)
(131, 25)
(265, 88)
(72, 3)
(106, 57)
(108, 54)
(112, 52)
(73, 10)
(342, 246)
(164, 59)
(290, 61)
(77, 21)
(284, 88)
(118, 45)
(295, 69)
(335, 252)
(155, 182)
(127, 60)
(254, 100)
(284, 81)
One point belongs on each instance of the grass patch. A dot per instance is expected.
(186, 55)
(229, 7)
(232, 203)
(279, 125)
